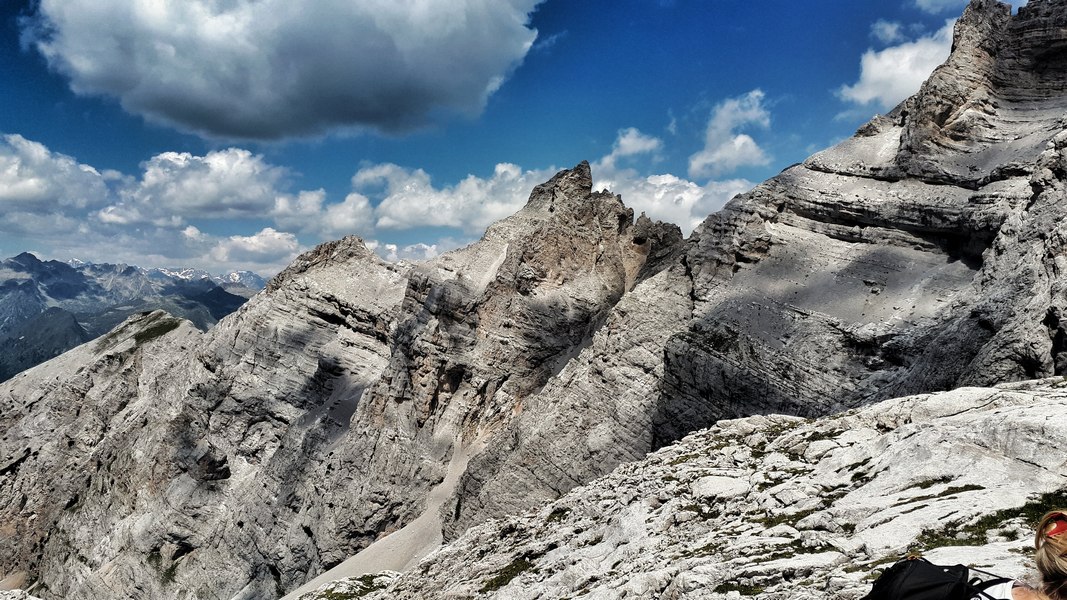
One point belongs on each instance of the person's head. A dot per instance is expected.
(1051, 548)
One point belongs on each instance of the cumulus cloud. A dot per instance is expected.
(74, 210)
(669, 198)
(414, 252)
(725, 148)
(267, 246)
(889, 76)
(661, 197)
(231, 183)
(630, 142)
(275, 68)
(33, 179)
(174, 211)
(411, 200)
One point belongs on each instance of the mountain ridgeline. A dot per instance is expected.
(49, 307)
(355, 398)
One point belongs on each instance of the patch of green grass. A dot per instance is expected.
(505, 575)
(683, 459)
(793, 549)
(166, 576)
(705, 550)
(791, 518)
(976, 533)
(949, 491)
(824, 435)
(705, 511)
(914, 508)
(929, 483)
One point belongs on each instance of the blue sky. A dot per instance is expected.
(227, 134)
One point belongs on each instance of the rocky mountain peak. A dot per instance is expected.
(994, 100)
(574, 185)
(568, 199)
(344, 250)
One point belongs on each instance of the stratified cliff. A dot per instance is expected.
(356, 398)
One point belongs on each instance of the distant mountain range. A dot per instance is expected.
(48, 307)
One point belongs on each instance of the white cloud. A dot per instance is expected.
(672, 199)
(36, 180)
(275, 68)
(473, 204)
(172, 213)
(352, 216)
(725, 149)
(231, 183)
(263, 248)
(630, 142)
(887, 32)
(73, 210)
(889, 76)
(415, 252)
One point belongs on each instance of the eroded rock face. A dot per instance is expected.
(919, 255)
(237, 463)
(782, 508)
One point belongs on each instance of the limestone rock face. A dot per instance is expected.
(237, 463)
(782, 508)
(922, 254)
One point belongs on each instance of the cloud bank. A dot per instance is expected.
(272, 69)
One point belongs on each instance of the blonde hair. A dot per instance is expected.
(1050, 557)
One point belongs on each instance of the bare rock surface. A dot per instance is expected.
(355, 399)
(919, 255)
(780, 507)
(324, 415)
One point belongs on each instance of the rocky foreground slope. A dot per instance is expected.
(778, 507)
(356, 401)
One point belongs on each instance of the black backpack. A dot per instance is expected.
(919, 579)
